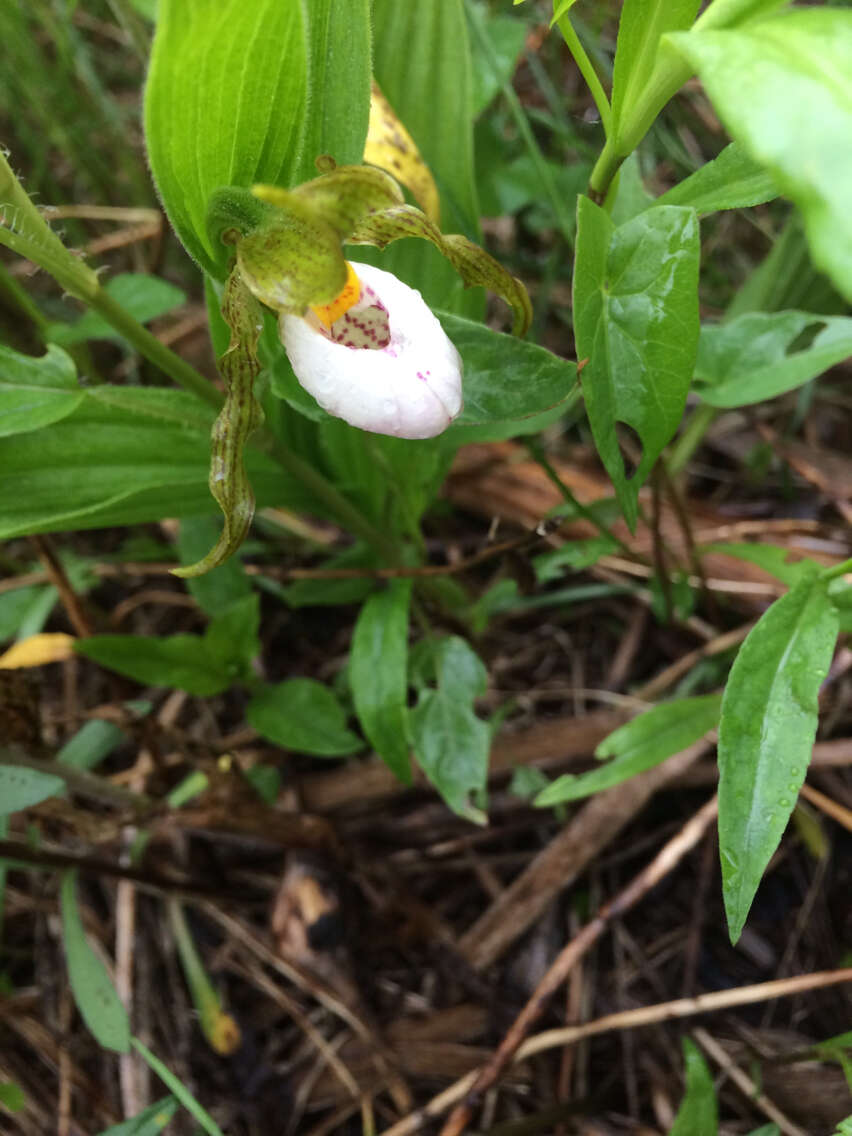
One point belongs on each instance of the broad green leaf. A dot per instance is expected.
(770, 557)
(21, 788)
(143, 297)
(303, 715)
(149, 1122)
(94, 993)
(232, 639)
(734, 180)
(377, 674)
(641, 744)
(494, 392)
(698, 1114)
(220, 587)
(766, 1130)
(767, 729)
(783, 89)
(421, 60)
(636, 322)
(126, 455)
(450, 742)
(35, 391)
(94, 741)
(181, 661)
(755, 357)
(642, 24)
(228, 93)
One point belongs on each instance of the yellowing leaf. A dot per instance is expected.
(223, 1033)
(390, 147)
(48, 647)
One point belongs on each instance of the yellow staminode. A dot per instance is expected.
(349, 296)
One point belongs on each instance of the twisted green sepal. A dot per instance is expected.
(473, 264)
(240, 415)
(289, 241)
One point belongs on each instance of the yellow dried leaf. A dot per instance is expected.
(48, 647)
(390, 147)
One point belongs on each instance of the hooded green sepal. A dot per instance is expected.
(240, 415)
(473, 264)
(289, 248)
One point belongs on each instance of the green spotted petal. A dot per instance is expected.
(240, 415)
(472, 263)
(294, 260)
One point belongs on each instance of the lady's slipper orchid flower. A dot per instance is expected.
(377, 357)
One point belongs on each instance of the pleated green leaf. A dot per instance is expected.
(228, 97)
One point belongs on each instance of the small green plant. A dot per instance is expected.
(346, 395)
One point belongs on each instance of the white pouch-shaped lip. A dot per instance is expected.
(386, 365)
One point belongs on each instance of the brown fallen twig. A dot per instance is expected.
(746, 1085)
(666, 859)
(591, 829)
(628, 1019)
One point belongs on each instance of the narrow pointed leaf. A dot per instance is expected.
(94, 993)
(698, 1114)
(377, 672)
(21, 788)
(734, 180)
(641, 744)
(766, 733)
(149, 1122)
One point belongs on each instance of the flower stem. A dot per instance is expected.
(586, 69)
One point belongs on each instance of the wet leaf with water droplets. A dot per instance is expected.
(767, 729)
(636, 321)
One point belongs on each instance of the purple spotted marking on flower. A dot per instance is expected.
(365, 325)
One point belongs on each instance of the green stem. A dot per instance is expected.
(20, 299)
(78, 780)
(841, 569)
(586, 70)
(604, 171)
(693, 433)
(537, 452)
(346, 513)
(153, 350)
(564, 219)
